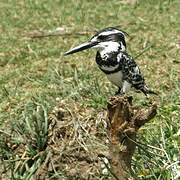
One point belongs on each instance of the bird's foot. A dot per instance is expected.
(118, 92)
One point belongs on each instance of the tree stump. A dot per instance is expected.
(124, 120)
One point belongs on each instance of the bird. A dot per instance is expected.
(112, 59)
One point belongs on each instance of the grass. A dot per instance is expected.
(35, 79)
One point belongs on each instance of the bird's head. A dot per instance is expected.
(110, 38)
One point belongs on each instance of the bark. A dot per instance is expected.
(124, 120)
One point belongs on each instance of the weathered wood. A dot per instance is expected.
(124, 120)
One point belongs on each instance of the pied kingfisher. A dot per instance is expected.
(119, 67)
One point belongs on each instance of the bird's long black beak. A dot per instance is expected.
(81, 47)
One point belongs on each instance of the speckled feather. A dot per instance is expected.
(123, 62)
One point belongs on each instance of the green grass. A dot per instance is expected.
(35, 77)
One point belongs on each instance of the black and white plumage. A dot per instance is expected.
(119, 67)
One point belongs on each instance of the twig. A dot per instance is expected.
(60, 34)
(7, 134)
(41, 35)
(20, 162)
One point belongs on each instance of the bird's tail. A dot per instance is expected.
(146, 91)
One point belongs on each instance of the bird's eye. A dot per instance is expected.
(101, 37)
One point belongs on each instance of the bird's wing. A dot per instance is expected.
(131, 72)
